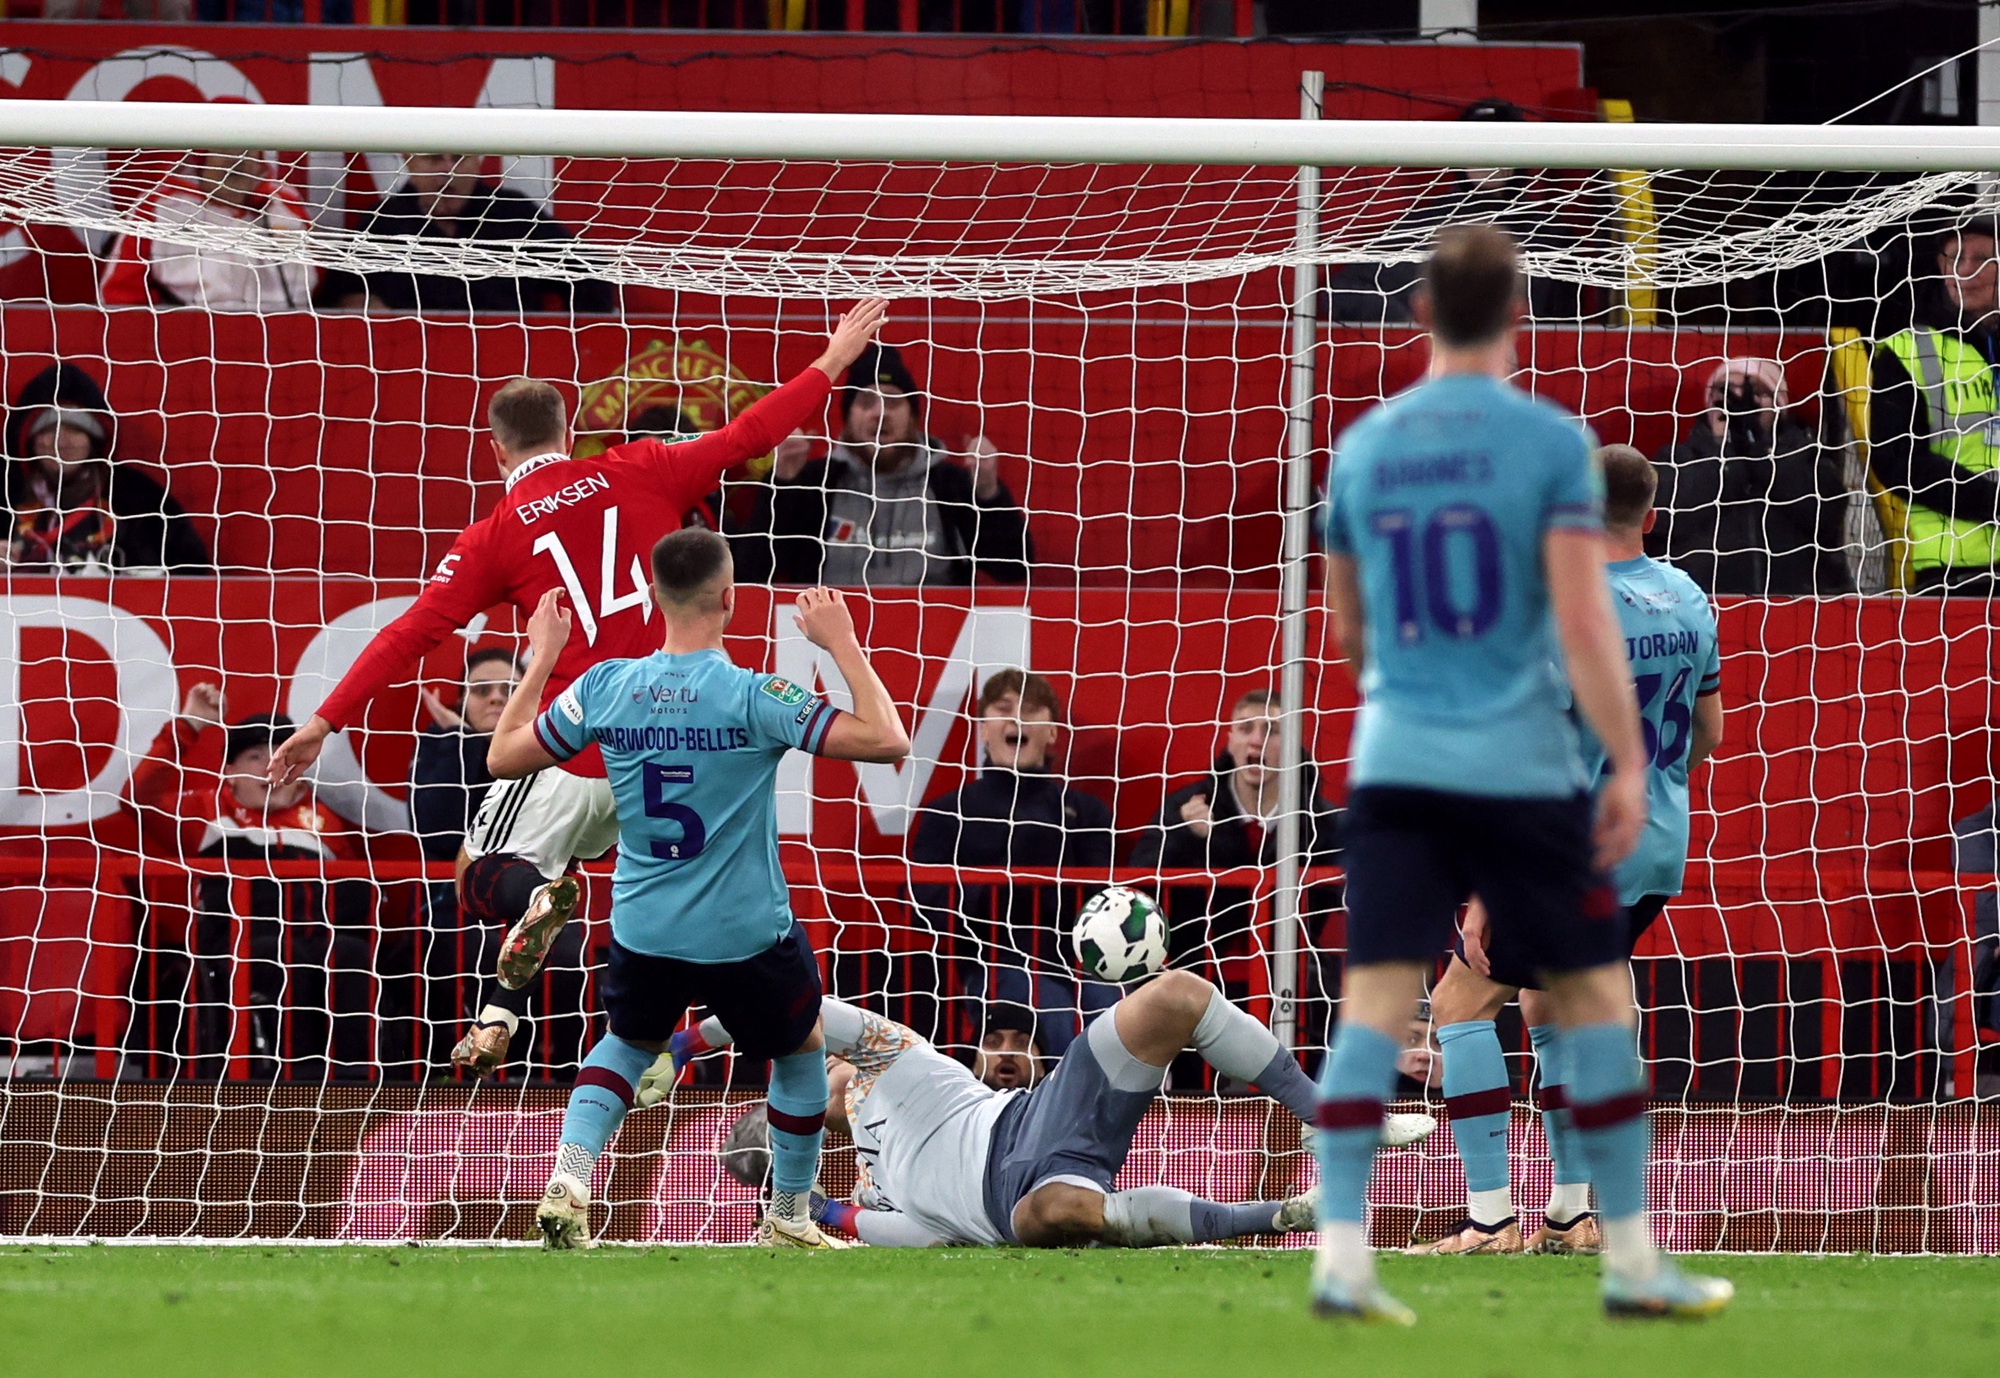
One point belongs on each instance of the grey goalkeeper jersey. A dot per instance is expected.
(923, 1132)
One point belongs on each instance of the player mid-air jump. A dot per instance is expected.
(584, 526)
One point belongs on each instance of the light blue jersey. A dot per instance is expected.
(1670, 640)
(1443, 495)
(691, 745)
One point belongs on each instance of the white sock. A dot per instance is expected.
(1629, 1250)
(1568, 1200)
(1344, 1254)
(493, 1014)
(575, 1163)
(792, 1207)
(1489, 1208)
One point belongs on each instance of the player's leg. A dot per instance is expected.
(1568, 1224)
(1404, 888)
(512, 877)
(1547, 888)
(1464, 1004)
(644, 997)
(771, 1003)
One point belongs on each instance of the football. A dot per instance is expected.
(1120, 935)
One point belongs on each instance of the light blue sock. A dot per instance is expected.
(797, 1107)
(1607, 1104)
(604, 1088)
(1480, 1101)
(1565, 1153)
(1354, 1085)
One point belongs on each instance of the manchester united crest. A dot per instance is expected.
(669, 385)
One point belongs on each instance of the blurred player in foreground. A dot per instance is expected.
(699, 907)
(1465, 558)
(946, 1159)
(1669, 632)
(583, 526)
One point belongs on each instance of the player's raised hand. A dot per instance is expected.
(548, 629)
(824, 617)
(1621, 815)
(856, 329)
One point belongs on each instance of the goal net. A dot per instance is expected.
(1115, 390)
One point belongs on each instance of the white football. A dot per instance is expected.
(1120, 936)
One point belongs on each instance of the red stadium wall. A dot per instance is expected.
(1857, 730)
(353, 445)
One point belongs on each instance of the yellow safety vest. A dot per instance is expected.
(1956, 383)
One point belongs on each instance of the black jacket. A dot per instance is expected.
(1170, 842)
(1751, 511)
(1014, 818)
(493, 213)
(1899, 451)
(448, 783)
(1011, 818)
(149, 529)
(784, 541)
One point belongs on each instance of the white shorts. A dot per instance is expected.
(548, 819)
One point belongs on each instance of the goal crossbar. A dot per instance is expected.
(996, 138)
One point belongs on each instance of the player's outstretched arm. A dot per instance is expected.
(515, 749)
(874, 730)
(1601, 677)
(692, 469)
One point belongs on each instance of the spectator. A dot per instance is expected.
(220, 191)
(444, 197)
(886, 506)
(70, 507)
(448, 778)
(1933, 436)
(1009, 1055)
(292, 948)
(1750, 502)
(1018, 813)
(448, 785)
(1226, 820)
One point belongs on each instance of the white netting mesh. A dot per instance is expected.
(1110, 344)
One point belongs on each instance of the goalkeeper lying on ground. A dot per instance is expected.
(946, 1160)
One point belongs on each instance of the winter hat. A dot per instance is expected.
(879, 366)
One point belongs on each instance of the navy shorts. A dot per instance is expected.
(1075, 1124)
(1510, 970)
(1415, 856)
(768, 1002)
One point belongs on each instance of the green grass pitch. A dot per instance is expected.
(1218, 1313)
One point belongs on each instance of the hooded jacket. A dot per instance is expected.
(137, 526)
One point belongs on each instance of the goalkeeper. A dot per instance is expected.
(947, 1160)
(1669, 632)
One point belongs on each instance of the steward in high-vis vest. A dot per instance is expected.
(1934, 426)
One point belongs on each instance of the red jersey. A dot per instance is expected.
(584, 525)
(185, 822)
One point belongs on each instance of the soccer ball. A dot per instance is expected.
(1120, 936)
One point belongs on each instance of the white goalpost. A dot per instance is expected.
(1141, 336)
